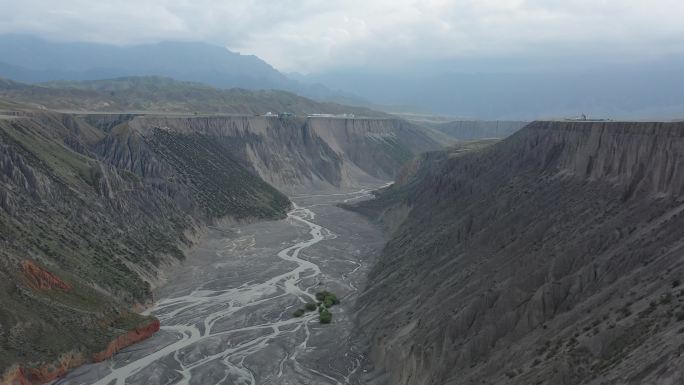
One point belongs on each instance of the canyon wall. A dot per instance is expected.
(300, 154)
(89, 221)
(479, 129)
(95, 208)
(552, 257)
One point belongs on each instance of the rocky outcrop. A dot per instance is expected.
(552, 257)
(40, 278)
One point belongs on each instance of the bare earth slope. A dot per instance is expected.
(300, 154)
(478, 129)
(553, 257)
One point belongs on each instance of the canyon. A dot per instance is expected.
(97, 209)
(175, 248)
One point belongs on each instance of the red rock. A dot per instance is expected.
(44, 374)
(16, 377)
(48, 373)
(132, 336)
(40, 278)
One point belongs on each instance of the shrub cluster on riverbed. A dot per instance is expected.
(326, 300)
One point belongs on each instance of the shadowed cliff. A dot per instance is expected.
(552, 257)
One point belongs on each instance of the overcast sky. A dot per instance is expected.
(323, 35)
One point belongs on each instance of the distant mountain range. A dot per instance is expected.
(32, 60)
(165, 95)
(645, 91)
(642, 91)
(653, 91)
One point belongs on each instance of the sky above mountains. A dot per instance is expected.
(310, 36)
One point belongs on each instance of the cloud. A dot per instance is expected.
(315, 35)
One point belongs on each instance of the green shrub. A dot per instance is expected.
(325, 317)
(321, 296)
(310, 306)
(332, 298)
(298, 313)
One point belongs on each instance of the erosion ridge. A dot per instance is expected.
(552, 257)
(94, 208)
(297, 153)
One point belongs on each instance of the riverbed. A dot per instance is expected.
(227, 313)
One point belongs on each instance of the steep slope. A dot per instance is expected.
(165, 95)
(89, 218)
(552, 257)
(299, 154)
(478, 129)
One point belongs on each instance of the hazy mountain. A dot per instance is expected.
(637, 92)
(33, 60)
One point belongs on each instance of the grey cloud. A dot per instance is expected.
(314, 35)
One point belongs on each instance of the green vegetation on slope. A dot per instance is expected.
(102, 211)
(219, 182)
(73, 238)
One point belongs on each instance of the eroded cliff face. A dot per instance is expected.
(479, 129)
(379, 147)
(553, 257)
(301, 154)
(89, 220)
